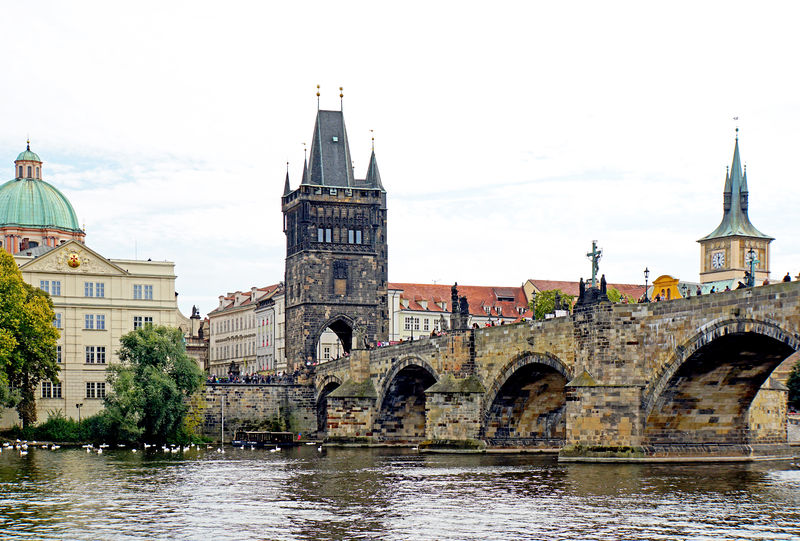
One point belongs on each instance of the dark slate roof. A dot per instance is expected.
(330, 152)
(286, 189)
(373, 179)
(735, 221)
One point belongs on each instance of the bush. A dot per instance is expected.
(58, 428)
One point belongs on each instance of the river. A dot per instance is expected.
(386, 494)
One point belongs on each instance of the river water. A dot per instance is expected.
(386, 494)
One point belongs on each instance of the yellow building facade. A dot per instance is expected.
(96, 300)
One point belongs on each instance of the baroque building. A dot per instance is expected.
(336, 248)
(32, 211)
(725, 252)
(95, 299)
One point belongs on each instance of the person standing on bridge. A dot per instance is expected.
(787, 278)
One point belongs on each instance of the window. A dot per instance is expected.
(426, 324)
(58, 354)
(320, 235)
(30, 173)
(137, 291)
(55, 287)
(95, 389)
(37, 173)
(328, 234)
(416, 323)
(20, 171)
(148, 293)
(88, 289)
(101, 322)
(327, 353)
(354, 236)
(99, 289)
(44, 285)
(88, 321)
(407, 323)
(139, 321)
(57, 321)
(51, 389)
(95, 355)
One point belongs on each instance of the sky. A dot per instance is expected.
(508, 135)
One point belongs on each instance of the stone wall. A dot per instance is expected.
(767, 415)
(257, 407)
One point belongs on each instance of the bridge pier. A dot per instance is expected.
(453, 414)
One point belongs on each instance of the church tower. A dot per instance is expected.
(336, 252)
(725, 253)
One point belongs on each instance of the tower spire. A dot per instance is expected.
(286, 188)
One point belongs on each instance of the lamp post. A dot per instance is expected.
(79, 406)
(646, 276)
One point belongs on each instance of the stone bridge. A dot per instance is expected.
(687, 377)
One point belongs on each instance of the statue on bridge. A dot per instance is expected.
(359, 336)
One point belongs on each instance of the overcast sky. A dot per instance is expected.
(508, 135)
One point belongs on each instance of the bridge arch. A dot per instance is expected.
(324, 387)
(703, 393)
(401, 401)
(525, 404)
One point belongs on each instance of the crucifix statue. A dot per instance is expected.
(595, 255)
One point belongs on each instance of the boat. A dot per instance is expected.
(244, 438)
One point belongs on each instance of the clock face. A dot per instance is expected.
(748, 256)
(718, 260)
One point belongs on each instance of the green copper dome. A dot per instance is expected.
(35, 203)
(28, 155)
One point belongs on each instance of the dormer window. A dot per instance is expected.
(334, 139)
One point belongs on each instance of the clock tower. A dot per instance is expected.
(725, 253)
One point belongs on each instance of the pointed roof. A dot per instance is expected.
(286, 189)
(330, 152)
(304, 178)
(373, 175)
(735, 221)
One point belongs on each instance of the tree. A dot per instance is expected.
(152, 386)
(545, 302)
(27, 340)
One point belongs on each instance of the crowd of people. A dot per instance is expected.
(256, 379)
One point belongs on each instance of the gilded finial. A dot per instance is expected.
(29, 143)
(304, 151)
(317, 97)
(341, 98)
(372, 135)
(287, 166)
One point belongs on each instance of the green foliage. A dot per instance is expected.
(794, 387)
(27, 340)
(615, 296)
(545, 302)
(152, 386)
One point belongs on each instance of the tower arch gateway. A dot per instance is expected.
(336, 270)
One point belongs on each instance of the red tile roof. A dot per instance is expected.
(571, 288)
(230, 300)
(478, 298)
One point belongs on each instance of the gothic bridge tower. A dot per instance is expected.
(336, 252)
(725, 252)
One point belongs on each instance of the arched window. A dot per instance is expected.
(20, 171)
(30, 175)
(37, 173)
